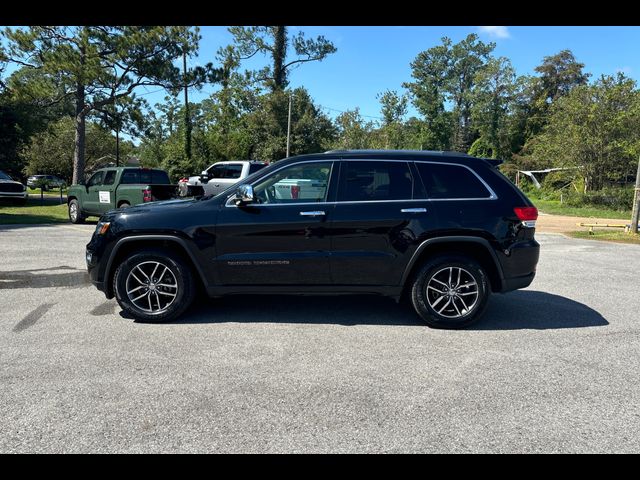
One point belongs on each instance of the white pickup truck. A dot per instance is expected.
(222, 175)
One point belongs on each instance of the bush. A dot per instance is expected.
(616, 198)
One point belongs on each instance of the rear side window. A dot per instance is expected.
(451, 181)
(136, 176)
(158, 177)
(130, 176)
(367, 181)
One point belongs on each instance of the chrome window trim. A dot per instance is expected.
(492, 196)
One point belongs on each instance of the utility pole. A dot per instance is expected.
(635, 216)
(187, 117)
(117, 124)
(289, 126)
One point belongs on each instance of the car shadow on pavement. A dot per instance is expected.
(523, 309)
(346, 310)
(531, 309)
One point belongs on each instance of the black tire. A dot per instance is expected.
(446, 308)
(182, 278)
(124, 205)
(75, 214)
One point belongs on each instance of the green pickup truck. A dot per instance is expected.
(117, 187)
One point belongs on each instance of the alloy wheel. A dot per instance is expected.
(151, 287)
(452, 292)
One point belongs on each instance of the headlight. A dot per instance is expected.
(102, 228)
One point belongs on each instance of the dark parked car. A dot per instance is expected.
(46, 181)
(444, 228)
(12, 190)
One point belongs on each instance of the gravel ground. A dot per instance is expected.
(552, 368)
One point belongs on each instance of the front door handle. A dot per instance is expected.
(316, 213)
(414, 210)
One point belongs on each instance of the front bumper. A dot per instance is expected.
(15, 195)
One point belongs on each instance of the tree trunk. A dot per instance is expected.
(78, 153)
(279, 57)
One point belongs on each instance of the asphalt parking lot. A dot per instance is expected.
(552, 368)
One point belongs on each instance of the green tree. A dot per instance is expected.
(311, 130)
(393, 107)
(493, 97)
(446, 74)
(559, 74)
(97, 65)
(275, 42)
(353, 132)
(51, 151)
(595, 128)
(22, 116)
(430, 71)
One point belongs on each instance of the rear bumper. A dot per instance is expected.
(519, 266)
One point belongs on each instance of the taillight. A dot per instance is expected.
(146, 195)
(527, 215)
(295, 191)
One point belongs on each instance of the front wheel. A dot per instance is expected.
(154, 286)
(450, 292)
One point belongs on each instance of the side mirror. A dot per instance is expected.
(244, 194)
(204, 177)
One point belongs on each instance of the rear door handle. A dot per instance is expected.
(414, 210)
(316, 213)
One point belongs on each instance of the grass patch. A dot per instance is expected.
(54, 192)
(607, 235)
(554, 207)
(34, 212)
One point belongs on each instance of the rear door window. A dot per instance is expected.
(110, 177)
(254, 167)
(374, 181)
(446, 181)
(233, 170)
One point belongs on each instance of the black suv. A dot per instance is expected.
(445, 228)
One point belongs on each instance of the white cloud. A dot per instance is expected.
(495, 32)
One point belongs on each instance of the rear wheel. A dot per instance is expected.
(124, 205)
(154, 286)
(450, 292)
(75, 214)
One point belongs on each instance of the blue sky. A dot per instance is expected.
(370, 60)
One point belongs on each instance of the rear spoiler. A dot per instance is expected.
(494, 162)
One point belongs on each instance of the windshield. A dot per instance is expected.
(4, 176)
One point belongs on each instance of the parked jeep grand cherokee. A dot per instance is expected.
(444, 228)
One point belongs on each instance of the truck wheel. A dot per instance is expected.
(450, 292)
(124, 205)
(154, 286)
(75, 214)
